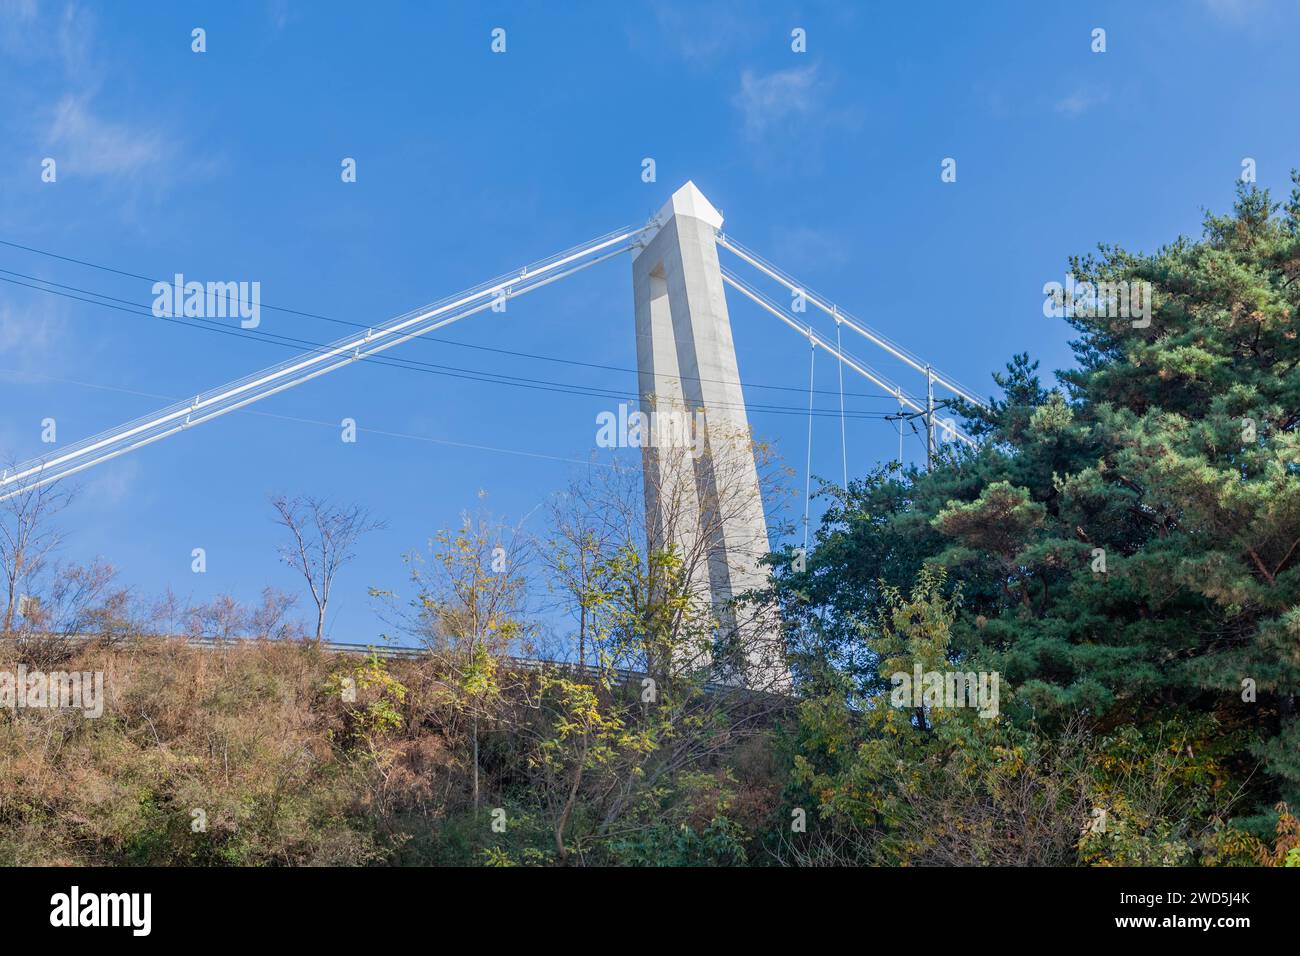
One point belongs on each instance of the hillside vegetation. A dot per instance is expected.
(277, 753)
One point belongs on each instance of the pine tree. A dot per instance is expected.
(1127, 545)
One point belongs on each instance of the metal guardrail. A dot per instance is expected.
(389, 652)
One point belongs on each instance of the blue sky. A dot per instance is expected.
(226, 165)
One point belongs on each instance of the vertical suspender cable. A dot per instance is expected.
(807, 471)
(844, 448)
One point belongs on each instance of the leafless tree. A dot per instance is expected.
(270, 620)
(223, 618)
(70, 602)
(226, 619)
(321, 536)
(629, 551)
(28, 540)
(582, 533)
(656, 517)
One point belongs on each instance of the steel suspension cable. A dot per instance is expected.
(844, 445)
(855, 364)
(897, 351)
(307, 366)
(807, 471)
(132, 307)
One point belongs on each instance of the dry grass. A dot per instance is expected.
(255, 742)
(245, 735)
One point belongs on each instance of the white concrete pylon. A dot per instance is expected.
(702, 498)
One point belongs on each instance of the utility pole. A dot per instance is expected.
(929, 418)
(901, 415)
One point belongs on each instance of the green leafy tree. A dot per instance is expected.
(1128, 544)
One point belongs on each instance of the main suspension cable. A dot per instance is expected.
(307, 366)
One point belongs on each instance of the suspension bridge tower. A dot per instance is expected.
(702, 487)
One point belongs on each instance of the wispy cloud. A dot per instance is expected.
(700, 33)
(69, 112)
(91, 145)
(768, 101)
(28, 338)
(17, 21)
(1235, 11)
(112, 485)
(280, 14)
(74, 41)
(18, 11)
(1080, 101)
